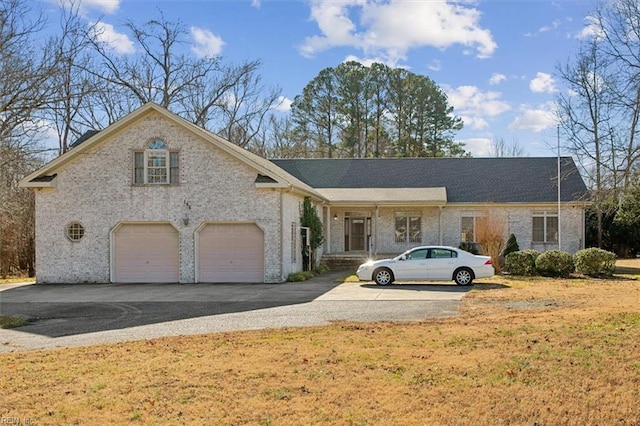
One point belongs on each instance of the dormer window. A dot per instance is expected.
(156, 165)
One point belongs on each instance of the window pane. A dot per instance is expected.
(174, 171)
(401, 229)
(467, 230)
(538, 229)
(157, 145)
(552, 229)
(415, 230)
(157, 170)
(157, 159)
(138, 175)
(417, 254)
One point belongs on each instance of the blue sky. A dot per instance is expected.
(495, 59)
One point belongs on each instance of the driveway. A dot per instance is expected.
(81, 314)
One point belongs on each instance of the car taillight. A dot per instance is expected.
(488, 262)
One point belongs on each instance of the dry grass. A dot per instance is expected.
(522, 352)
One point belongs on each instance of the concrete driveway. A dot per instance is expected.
(82, 314)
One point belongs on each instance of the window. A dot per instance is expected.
(156, 165)
(408, 228)
(468, 233)
(545, 227)
(419, 254)
(74, 231)
(442, 254)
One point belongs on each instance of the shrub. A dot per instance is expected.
(472, 248)
(555, 263)
(321, 269)
(300, 276)
(595, 262)
(490, 232)
(510, 247)
(522, 262)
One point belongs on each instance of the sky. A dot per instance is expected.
(496, 60)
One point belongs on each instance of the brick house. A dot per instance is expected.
(154, 198)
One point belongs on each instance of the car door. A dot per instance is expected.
(413, 267)
(441, 263)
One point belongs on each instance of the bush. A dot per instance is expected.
(522, 262)
(300, 276)
(472, 248)
(595, 262)
(555, 263)
(510, 247)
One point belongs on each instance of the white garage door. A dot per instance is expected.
(230, 253)
(146, 253)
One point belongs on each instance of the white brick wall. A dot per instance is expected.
(96, 189)
(517, 220)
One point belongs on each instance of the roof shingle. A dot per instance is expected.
(467, 180)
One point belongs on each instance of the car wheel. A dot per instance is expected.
(463, 276)
(383, 276)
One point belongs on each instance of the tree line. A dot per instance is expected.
(599, 119)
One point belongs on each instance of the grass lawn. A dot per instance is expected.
(521, 352)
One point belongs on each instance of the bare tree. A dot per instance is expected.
(223, 98)
(25, 88)
(619, 40)
(72, 85)
(585, 117)
(500, 148)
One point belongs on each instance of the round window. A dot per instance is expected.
(75, 231)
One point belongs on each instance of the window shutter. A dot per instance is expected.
(138, 175)
(174, 171)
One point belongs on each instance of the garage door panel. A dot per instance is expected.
(231, 253)
(146, 253)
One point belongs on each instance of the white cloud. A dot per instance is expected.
(206, 44)
(435, 65)
(555, 24)
(497, 78)
(470, 101)
(475, 123)
(107, 34)
(535, 119)
(390, 29)
(478, 147)
(256, 3)
(284, 104)
(543, 83)
(591, 29)
(103, 6)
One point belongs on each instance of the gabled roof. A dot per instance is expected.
(467, 180)
(273, 176)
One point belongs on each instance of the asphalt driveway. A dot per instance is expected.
(81, 314)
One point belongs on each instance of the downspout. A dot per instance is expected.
(281, 248)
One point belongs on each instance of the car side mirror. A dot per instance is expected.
(403, 257)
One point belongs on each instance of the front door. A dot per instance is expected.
(358, 234)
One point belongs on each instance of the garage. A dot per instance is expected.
(230, 253)
(146, 253)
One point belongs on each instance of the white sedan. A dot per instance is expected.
(428, 263)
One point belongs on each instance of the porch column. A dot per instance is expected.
(327, 221)
(375, 224)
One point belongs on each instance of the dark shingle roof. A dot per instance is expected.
(468, 180)
(86, 135)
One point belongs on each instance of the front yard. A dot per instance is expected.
(523, 351)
